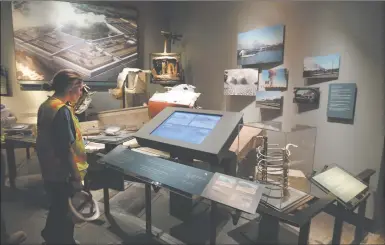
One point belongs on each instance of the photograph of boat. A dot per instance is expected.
(269, 99)
(273, 80)
(322, 66)
(241, 82)
(95, 40)
(261, 46)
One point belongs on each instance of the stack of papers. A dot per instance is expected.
(186, 98)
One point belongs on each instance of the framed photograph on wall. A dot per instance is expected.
(95, 39)
(269, 99)
(326, 67)
(241, 82)
(261, 46)
(274, 80)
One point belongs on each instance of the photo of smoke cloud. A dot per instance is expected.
(273, 80)
(241, 82)
(95, 40)
(322, 67)
(269, 99)
(261, 46)
(166, 69)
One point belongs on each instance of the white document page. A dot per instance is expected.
(340, 183)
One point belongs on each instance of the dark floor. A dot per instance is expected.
(26, 209)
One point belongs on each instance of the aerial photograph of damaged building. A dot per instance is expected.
(95, 40)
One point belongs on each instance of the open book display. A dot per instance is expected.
(348, 190)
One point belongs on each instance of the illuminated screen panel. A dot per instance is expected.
(188, 127)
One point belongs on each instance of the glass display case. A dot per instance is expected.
(279, 156)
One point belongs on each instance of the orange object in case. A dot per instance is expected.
(154, 107)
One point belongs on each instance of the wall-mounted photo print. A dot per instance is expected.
(241, 82)
(269, 99)
(322, 67)
(95, 40)
(261, 46)
(273, 80)
(306, 95)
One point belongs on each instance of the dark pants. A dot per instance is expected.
(59, 227)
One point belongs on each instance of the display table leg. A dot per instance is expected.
(213, 223)
(360, 233)
(28, 153)
(180, 206)
(148, 208)
(11, 162)
(268, 230)
(304, 232)
(106, 198)
(338, 223)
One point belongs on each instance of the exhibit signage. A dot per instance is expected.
(170, 174)
(231, 191)
(342, 100)
(234, 192)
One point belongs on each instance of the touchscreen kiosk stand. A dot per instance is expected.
(192, 134)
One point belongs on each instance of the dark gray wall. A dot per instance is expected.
(352, 29)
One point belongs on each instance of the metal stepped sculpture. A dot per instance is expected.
(272, 160)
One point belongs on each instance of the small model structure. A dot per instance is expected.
(166, 68)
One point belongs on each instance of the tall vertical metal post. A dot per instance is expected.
(148, 208)
(213, 223)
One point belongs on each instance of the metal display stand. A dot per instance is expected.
(115, 180)
(269, 224)
(143, 168)
(359, 217)
(12, 143)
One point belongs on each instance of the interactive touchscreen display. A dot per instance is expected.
(187, 127)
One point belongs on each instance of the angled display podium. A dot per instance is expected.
(192, 134)
(182, 179)
(347, 189)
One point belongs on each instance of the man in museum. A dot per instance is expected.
(61, 153)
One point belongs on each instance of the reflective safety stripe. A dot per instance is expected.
(78, 149)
